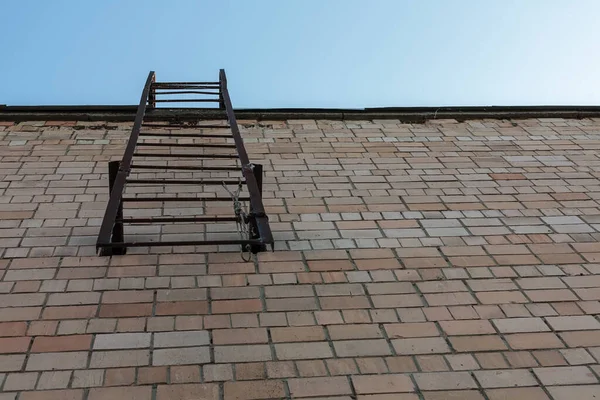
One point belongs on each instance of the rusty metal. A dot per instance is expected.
(112, 238)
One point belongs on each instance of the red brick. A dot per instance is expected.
(330, 265)
(44, 344)
(42, 328)
(476, 327)
(231, 269)
(529, 341)
(254, 390)
(125, 310)
(411, 330)
(14, 344)
(151, 375)
(297, 334)
(250, 371)
(397, 300)
(185, 373)
(344, 302)
(530, 393)
(119, 377)
(375, 264)
(453, 395)
(68, 312)
(121, 393)
(66, 394)
(182, 308)
(311, 368)
(391, 383)
(549, 358)
(128, 296)
(581, 338)
(477, 343)
(420, 346)
(12, 328)
(292, 304)
(424, 262)
(312, 387)
(236, 306)
(240, 336)
(444, 381)
(354, 331)
(281, 267)
(130, 272)
(505, 378)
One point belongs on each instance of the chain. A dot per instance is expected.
(241, 220)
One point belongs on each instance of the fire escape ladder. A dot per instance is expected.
(158, 153)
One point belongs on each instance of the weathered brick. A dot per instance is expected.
(181, 339)
(297, 334)
(566, 392)
(119, 358)
(119, 377)
(505, 378)
(529, 393)
(354, 331)
(518, 325)
(477, 343)
(246, 353)
(236, 306)
(300, 351)
(207, 391)
(476, 327)
(122, 341)
(565, 375)
(573, 323)
(254, 390)
(50, 361)
(64, 394)
(420, 346)
(312, 387)
(391, 383)
(137, 392)
(240, 336)
(528, 341)
(444, 381)
(179, 356)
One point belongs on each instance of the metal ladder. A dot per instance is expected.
(156, 148)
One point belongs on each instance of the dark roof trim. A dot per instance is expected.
(408, 114)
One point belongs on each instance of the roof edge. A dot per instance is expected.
(408, 114)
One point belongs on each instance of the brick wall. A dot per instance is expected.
(426, 261)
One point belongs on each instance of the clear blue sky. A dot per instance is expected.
(305, 53)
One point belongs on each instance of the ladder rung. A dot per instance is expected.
(185, 83)
(213, 145)
(186, 87)
(182, 243)
(184, 167)
(185, 126)
(187, 101)
(183, 135)
(182, 182)
(167, 155)
(185, 92)
(175, 219)
(179, 199)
